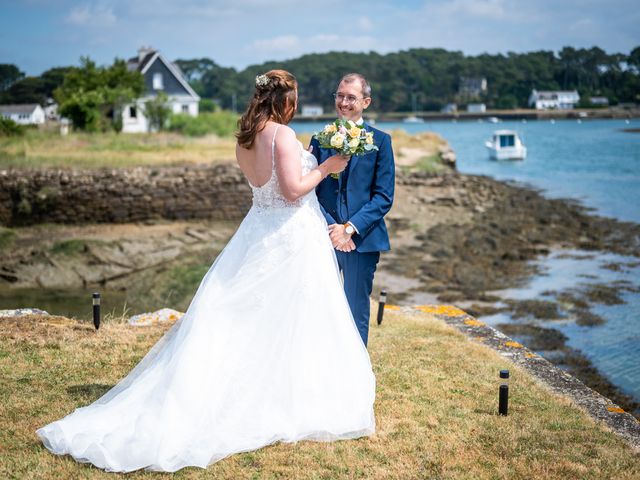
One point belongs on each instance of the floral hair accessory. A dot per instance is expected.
(262, 80)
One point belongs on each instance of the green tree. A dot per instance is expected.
(25, 90)
(9, 74)
(93, 97)
(157, 112)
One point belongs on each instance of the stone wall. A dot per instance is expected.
(122, 195)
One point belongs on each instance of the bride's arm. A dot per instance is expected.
(289, 170)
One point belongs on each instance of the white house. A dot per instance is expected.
(560, 100)
(160, 75)
(449, 108)
(476, 108)
(311, 110)
(599, 101)
(27, 114)
(51, 110)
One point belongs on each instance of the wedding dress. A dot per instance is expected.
(267, 351)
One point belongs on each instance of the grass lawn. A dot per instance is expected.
(86, 150)
(435, 410)
(37, 149)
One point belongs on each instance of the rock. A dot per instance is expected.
(21, 312)
(163, 315)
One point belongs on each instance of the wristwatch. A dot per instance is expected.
(348, 228)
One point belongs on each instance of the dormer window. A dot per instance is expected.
(157, 81)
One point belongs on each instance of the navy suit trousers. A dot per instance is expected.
(358, 269)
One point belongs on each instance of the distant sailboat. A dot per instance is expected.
(414, 107)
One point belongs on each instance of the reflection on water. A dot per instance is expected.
(614, 346)
(69, 303)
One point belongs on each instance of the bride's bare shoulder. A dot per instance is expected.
(285, 134)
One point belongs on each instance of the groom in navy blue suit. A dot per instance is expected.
(356, 203)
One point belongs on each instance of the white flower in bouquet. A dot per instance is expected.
(337, 140)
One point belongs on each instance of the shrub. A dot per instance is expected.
(208, 105)
(9, 128)
(221, 123)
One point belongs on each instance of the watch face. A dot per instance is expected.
(350, 229)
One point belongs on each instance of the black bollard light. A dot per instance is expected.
(503, 403)
(381, 303)
(96, 310)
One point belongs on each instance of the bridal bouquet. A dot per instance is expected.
(346, 138)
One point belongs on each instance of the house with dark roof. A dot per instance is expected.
(27, 114)
(160, 75)
(470, 88)
(554, 99)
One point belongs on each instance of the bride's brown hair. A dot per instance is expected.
(274, 99)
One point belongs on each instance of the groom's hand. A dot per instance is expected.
(339, 237)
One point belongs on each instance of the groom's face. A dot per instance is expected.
(346, 106)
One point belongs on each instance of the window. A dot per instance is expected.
(185, 108)
(157, 81)
(133, 112)
(507, 141)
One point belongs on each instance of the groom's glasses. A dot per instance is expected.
(349, 98)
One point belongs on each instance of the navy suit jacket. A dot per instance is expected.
(367, 193)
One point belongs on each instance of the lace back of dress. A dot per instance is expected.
(269, 195)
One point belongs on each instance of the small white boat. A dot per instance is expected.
(506, 145)
(493, 120)
(413, 119)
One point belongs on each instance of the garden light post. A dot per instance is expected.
(503, 403)
(381, 303)
(96, 310)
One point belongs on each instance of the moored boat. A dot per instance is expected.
(506, 145)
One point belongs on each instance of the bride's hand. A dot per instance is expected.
(337, 163)
(347, 246)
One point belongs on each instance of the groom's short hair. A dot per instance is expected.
(352, 77)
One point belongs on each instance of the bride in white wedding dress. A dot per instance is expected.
(267, 351)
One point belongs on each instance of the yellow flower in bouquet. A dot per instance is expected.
(346, 138)
(331, 128)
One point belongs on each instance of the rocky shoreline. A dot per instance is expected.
(459, 238)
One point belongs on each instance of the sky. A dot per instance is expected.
(40, 34)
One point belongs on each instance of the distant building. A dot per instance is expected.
(449, 108)
(27, 114)
(469, 87)
(51, 110)
(160, 75)
(599, 101)
(476, 108)
(311, 110)
(559, 100)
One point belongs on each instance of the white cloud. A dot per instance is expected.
(289, 46)
(277, 44)
(580, 24)
(93, 16)
(365, 24)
